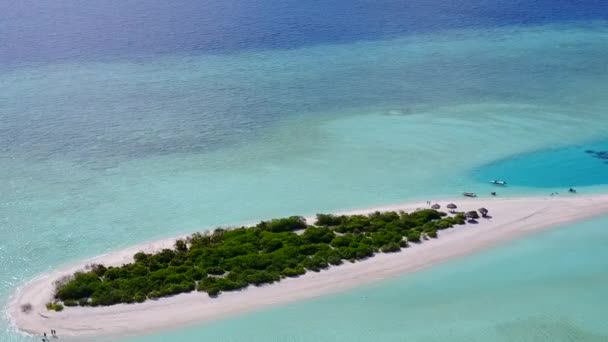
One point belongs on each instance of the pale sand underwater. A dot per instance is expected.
(510, 218)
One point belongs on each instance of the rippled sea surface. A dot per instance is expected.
(127, 121)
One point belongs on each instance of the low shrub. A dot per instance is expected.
(413, 236)
(390, 248)
(334, 260)
(139, 297)
(53, 306)
(215, 270)
(213, 291)
(293, 272)
(70, 302)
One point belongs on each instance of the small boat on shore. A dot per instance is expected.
(498, 182)
(469, 194)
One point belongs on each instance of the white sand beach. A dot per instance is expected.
(510, 218)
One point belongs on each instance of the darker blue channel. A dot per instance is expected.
(579, 165)
(51, 30)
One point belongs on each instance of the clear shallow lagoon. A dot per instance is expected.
(111, 135)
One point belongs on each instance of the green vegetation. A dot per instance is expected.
(54, 306)
(230, 260)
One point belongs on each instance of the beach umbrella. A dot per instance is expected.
(472, 214)
(452, 206)
(483, 211)
(435, 206)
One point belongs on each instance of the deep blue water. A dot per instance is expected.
(50, 30)
(571, 166)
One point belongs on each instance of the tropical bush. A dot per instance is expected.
(54, 306)
(413, 236)
(70, 302)
(390, 248)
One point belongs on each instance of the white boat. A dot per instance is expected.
(469, 194)
(499, 182)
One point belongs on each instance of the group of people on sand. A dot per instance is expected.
(53, 334)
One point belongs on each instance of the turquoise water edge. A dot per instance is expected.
(100, 155)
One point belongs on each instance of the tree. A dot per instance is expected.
(271, 245)
(283, 225)
(328, 220)
(181, 246)
(139, 297)
(293, 272)
(318, 235)
(213, 291)
(341, 241)
(413, 236)
(334, 259)
(432, 233)
(460, 218)
(99, 270)
(390, 248)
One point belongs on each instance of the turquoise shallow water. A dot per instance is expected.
(546, 287)
(101, 155)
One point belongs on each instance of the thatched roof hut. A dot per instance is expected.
(435, 206)
(472, 214)
(451, 206)
(483, 211)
